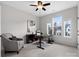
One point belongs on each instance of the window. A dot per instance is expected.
(49, 29)
(67, 28)
(57, 23)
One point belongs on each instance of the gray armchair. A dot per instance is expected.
(11, 45)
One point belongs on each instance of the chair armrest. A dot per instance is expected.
(10, 44)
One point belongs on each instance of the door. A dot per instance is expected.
(0, 30)
(78, 33)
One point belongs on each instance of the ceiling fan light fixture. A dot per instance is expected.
(39, 6)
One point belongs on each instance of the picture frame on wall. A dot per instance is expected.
(30, 24)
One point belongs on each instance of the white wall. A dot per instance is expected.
(15, 21)
(68, 14)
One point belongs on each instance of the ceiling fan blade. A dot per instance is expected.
(36, 9)
(44, 9)
(46, 4)
(33, 5)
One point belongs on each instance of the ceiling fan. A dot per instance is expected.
(40, 5)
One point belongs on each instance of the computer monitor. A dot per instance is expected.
(38, 34)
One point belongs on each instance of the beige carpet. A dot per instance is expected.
(51, 50)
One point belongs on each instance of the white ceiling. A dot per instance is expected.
(54, 7)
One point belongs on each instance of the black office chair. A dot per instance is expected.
(36, 37)
(50, 40)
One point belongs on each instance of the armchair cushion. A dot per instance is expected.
(8, 35)
(10, 38)
(14, 38)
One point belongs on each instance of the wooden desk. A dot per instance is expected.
(29, 38)
(32, 36)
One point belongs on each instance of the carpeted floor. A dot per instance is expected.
(51, 50)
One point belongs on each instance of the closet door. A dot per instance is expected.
(2, 54)
(78, 33)
(78, 26)
(0, 30)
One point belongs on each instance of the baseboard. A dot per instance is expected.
(66, 44)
